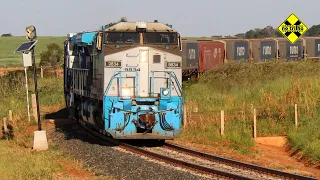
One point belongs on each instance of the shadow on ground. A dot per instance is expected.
(72, 130)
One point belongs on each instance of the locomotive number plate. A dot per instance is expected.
(173, 64)
(113, 64)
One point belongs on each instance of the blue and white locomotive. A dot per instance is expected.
(125, 80)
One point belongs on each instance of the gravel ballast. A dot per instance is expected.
(108, 160)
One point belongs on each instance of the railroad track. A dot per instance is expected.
(238, 164)
(214, 172)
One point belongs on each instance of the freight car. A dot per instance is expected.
(312, 47)
(199, 56)
(288, 51)
(238, 49)
(125, 80)
(264, 49)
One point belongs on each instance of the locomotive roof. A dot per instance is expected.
(131, 27)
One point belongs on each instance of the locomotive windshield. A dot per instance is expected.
(122, 37)
(160, 38)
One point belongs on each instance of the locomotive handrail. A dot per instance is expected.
(171, 73)
(156, 112)
(116, 74)
(79, 80)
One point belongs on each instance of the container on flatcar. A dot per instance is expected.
(289, 51)
(312, 47)
(264, 49)
(190, 58)
(212, 54)
(237, 49)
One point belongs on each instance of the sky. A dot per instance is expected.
(192, 18)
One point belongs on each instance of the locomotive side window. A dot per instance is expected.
(122, 37)
(71, 45)
(160, 38)
(156, 59)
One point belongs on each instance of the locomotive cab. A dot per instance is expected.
(143, 77)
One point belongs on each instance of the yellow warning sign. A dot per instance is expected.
(292, 28)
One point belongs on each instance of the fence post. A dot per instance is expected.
(184, 116)
(222, 122)
(5, 127)
(41, 72)
(34, 107)
(10, 116)
(254, 123)
(296, 115)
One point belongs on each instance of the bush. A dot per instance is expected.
(53, 56)
(6, 35)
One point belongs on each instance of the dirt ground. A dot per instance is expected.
(272, 152)
(3, 71)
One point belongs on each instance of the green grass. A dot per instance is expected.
(307, 137)
(272, 88)
(9, 44)
(13, 91)
(18, 163)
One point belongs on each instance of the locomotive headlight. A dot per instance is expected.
(165, 92)
(125, 92)
(143, 56)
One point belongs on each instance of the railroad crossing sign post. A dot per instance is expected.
(40, 138)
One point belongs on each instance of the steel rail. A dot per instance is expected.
(194, 167)
(234, 163)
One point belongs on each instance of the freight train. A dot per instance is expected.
(199, 56)
(125, 80)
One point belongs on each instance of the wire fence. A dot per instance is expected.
(261, 121)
